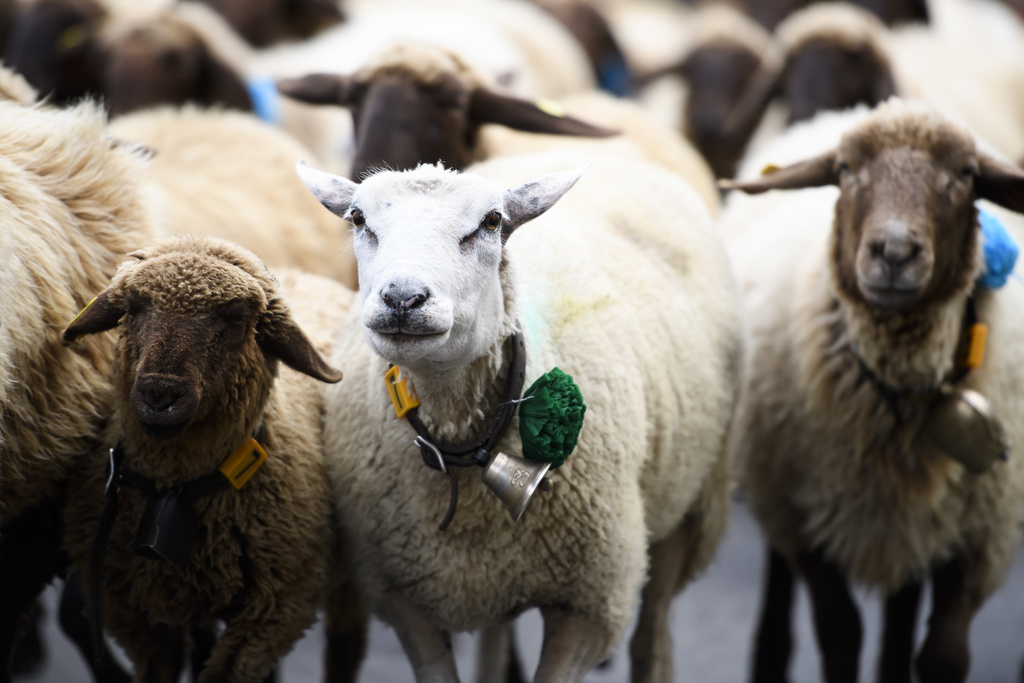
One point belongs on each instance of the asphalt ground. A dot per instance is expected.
(713, 622)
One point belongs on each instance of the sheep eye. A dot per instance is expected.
(357, 218)
(967, 172)
(492, 221)
(844, 167)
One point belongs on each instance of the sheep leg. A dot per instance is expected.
(156, 651)
(836, 619)
(497, 661)
(73, 620)
(251, 645)
(946, 656)
(773, 641)
(899, 634)
(428, 648)
(651, 647)
(29, 558)
(345, 624)
(573, 645)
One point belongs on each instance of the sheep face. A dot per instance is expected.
(166, 62)
(823, 74)
(906, 230)
(429, 244)
(419, 104)
(53, 45)
(718, 75)
(265, 22)
(201, 332)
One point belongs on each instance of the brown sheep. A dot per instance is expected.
(860, 307)
(418, 103)
(203, 327)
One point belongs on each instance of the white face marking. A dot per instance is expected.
(428, 268)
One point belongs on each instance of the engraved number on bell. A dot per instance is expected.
(520, 478)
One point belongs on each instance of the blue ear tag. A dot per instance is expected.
(264, 96)
(1000, 251)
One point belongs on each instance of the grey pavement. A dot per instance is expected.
(713, 621)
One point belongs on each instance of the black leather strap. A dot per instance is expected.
(478, 451)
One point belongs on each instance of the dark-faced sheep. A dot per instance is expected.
(204, 326)
(265, 22)
(861, 305)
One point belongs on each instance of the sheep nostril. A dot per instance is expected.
(390, 301)
(160, 400)
(414, 301)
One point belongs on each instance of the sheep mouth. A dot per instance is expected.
(891, 298)
(164, 405)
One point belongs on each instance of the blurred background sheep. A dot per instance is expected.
(707, 89)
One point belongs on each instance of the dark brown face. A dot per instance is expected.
(182, 367)
(823, 75)
(897, 11)
(400, 123)
(265, 22)
(163, 63)
(905, 223)
(52, 44)
(718, 76)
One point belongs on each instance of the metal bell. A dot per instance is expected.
(963, 425)
(514, 480)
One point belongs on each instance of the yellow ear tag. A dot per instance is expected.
(84, 309)
(401, 398)
(769, 169)
(551, 107)
(976, 351)
(243, 463)
(71, 37)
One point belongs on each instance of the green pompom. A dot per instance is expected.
(550, 418)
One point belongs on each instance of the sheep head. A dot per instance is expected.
(906, 230)
(430, 245)
(162, 60)
(202, 328)
(54, 45)
(420, 104)
(265, 22)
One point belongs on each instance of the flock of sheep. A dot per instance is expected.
(208, 347)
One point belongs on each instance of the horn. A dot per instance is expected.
(514, 480)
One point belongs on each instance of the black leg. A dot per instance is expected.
(29, 651)
(898, 638)
(946, 655)
(836, 619)
(773, 641)
(29, 557)
(75, 624)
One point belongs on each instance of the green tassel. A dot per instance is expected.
(550, 418)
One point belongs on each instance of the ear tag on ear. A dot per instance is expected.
(976, 350)
(71, 37)
(551, 107)
(769, 169)
(401, 398)
(243, 463)
(84, 309)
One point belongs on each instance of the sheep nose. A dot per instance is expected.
(398, 299)
(896, 252)
(161, 396)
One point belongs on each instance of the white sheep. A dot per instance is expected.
(630, 247)
(227, 174)
(857, 307)
(204, 325)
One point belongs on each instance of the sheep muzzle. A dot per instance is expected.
(164, 405)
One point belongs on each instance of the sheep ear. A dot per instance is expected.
(318, 89)
(331, 190)
(815, 172)
(1000, 182)
(526, 202)
(490, 107)
(284, 340)
(99, 315)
